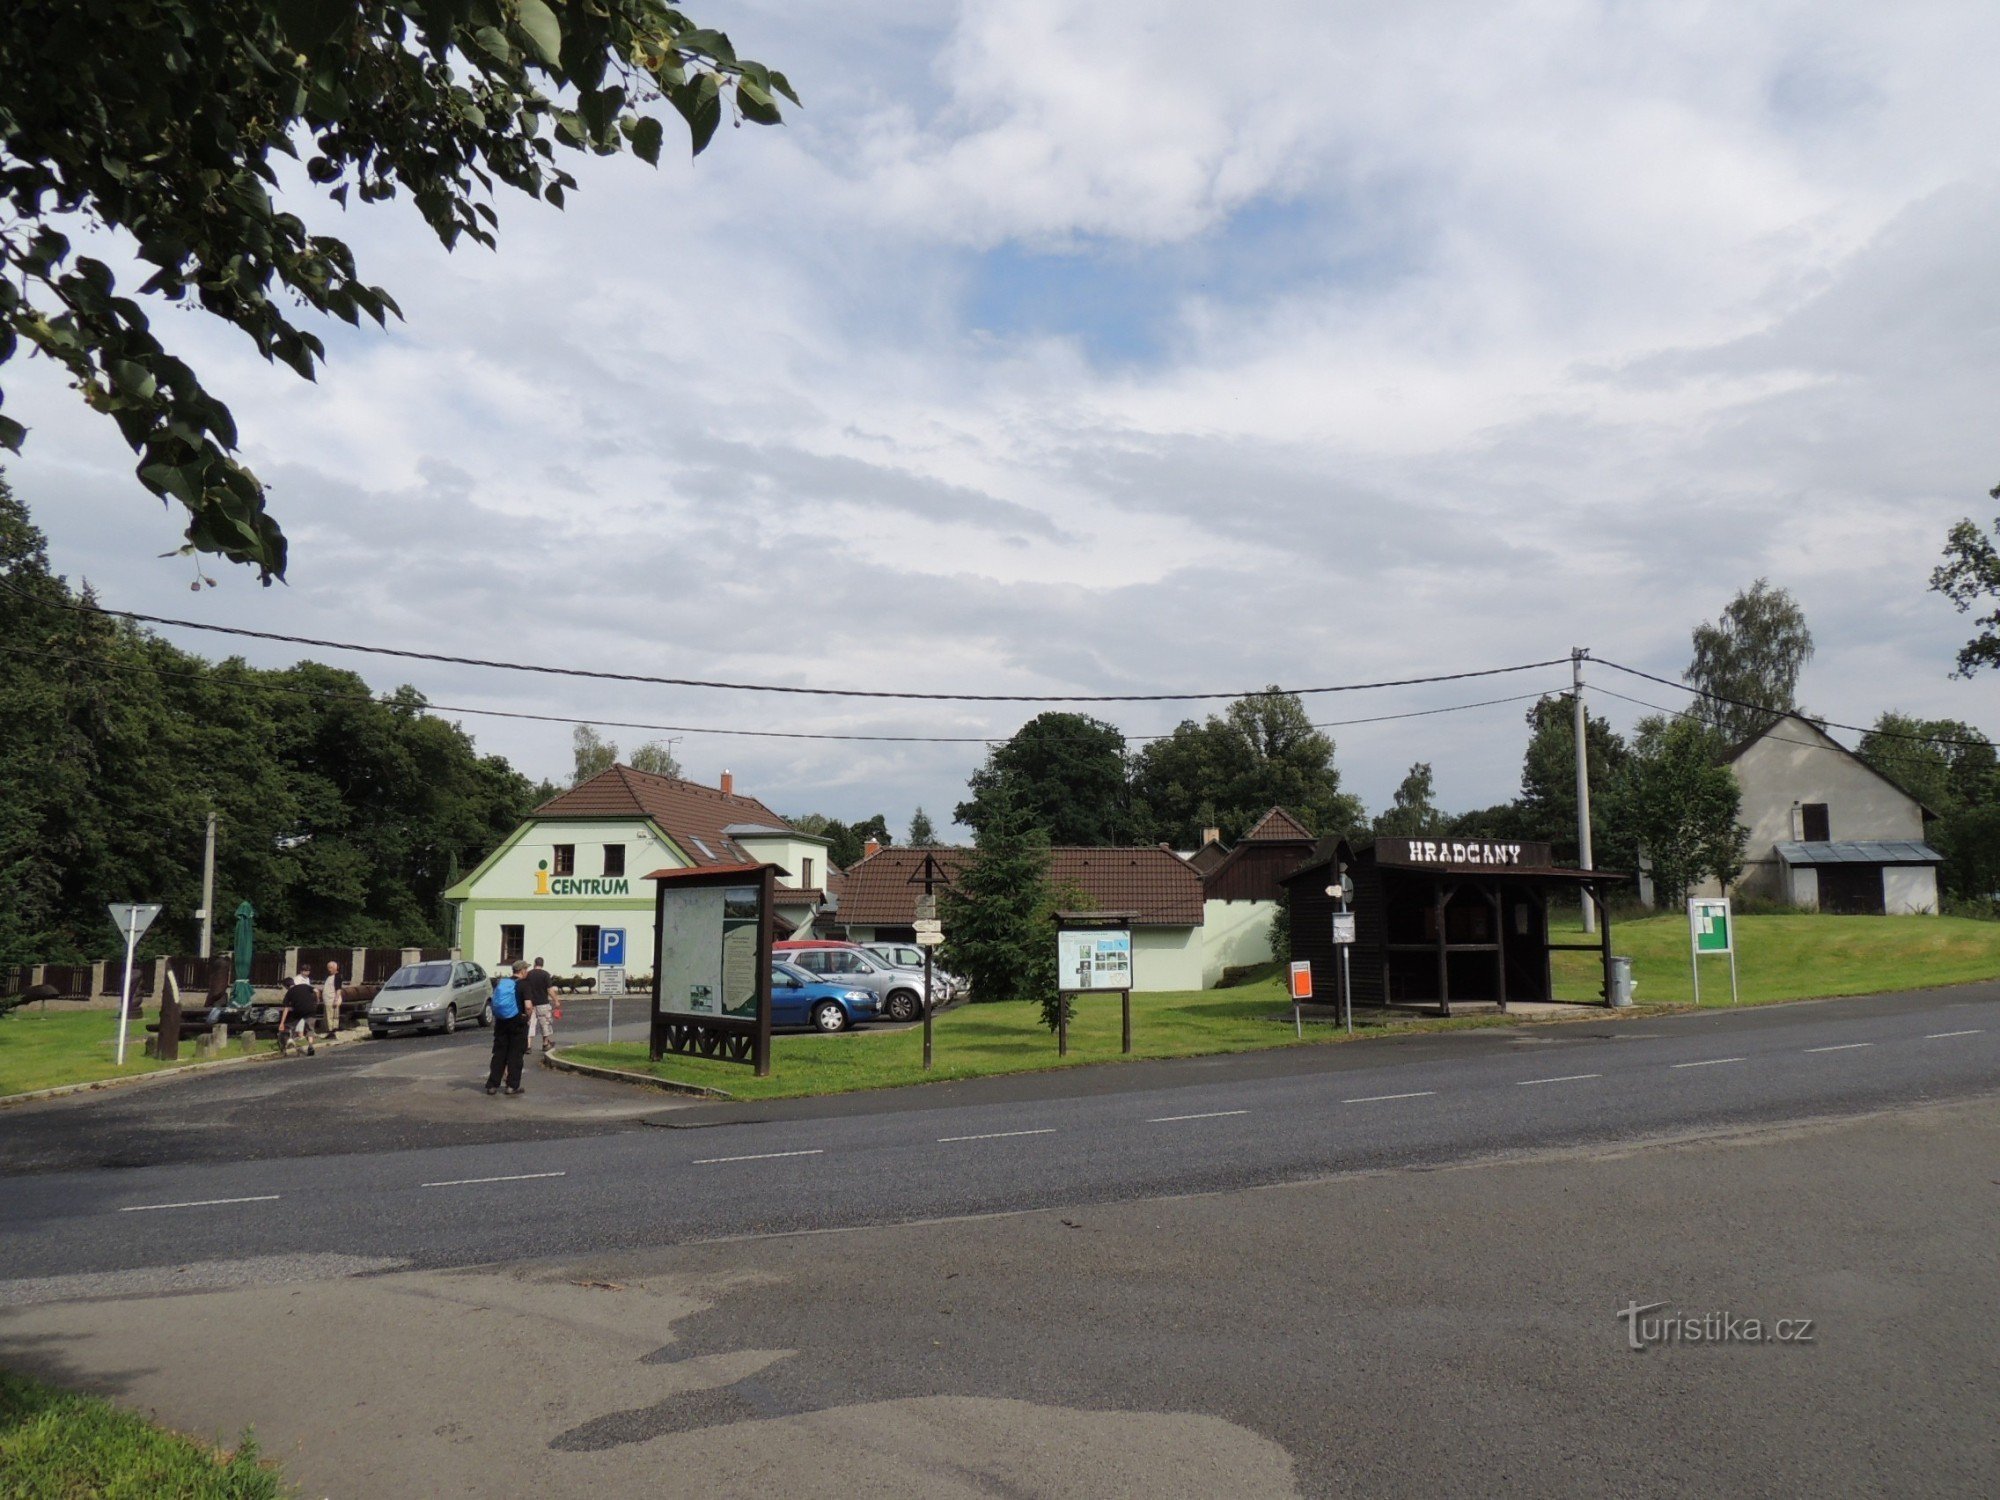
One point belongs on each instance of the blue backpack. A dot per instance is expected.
(506, 1004)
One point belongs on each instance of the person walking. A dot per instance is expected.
(541, 1014)
(297, 1014)
(333, 994)
(511, 1015)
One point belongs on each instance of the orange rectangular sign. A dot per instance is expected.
(1302, 980)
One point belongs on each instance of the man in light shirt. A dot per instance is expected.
(332, 993)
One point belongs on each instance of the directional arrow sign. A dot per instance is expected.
(929, 939)
(932, 925)
(132, 918)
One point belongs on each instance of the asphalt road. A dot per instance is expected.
(577, 1184)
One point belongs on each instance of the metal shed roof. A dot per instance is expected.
(1860, 852)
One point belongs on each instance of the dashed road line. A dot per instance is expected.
(1706, 1062)
(996, 1135)
(1842, 1047)
(716, 1161)
(1213, 1114)
(142, 1208)
(1565, 1078)
(1380, 1098)
(1931, 1036)
(511, 1177)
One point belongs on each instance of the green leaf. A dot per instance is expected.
(133, 379)
(542, 28)
(647, 137)
(11, 434)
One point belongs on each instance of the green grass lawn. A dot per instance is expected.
(1791, 957)
(55, 1445)
(72, 1046)
(1779, 958)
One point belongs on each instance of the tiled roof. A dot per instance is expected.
(695, 817)
(1279, 824)
(1152, 882)
(1206, 858)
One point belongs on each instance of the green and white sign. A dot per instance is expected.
(1710, 933)
(1709, 919)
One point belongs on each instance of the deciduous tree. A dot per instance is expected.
(1681, 804)
(158, 123)
(1749, 661)
(1969, 576)
(1065, 772)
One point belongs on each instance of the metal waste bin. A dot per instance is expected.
(1621, 981)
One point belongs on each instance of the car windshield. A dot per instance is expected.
(420, 977)
(780, 972)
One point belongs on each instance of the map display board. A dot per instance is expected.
(712, 974)
(1094, 959)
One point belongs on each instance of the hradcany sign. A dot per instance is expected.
(1477, 852)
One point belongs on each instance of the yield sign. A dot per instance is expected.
(132, 918)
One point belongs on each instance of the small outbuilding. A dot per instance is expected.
(1440, 921)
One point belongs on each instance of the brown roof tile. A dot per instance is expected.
(1278, 824)
(685, 810)
(1153, 883)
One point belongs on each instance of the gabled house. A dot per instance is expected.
(1241, 891)
(1827, 830)
(575, 868)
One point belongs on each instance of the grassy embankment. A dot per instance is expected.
(1780, 958)
(72, 1046)
(55, 1445)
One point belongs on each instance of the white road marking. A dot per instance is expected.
(1931, 1036)
(714, 1161)
(1707, 1062)
(945, 1140)
(141, 1208)
(1214, 1114)
(1566, 1078)
(1843, 1047)
(515, 1177)
(1378, 1098)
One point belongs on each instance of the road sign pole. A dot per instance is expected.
(125, 989)
(1694, 960)
(1732, 968)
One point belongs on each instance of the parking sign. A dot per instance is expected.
(611, 947)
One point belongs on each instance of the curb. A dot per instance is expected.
(618, 1075)
(136, 1080)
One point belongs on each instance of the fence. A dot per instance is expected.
(269, 970)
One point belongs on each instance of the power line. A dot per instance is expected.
(390, 701)
(1778, 713)
(768, 687)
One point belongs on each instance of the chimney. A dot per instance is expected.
(870, 849)
(729, 783)
(1208, 835)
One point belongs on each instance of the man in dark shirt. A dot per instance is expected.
(535, 991)
(299, 1011)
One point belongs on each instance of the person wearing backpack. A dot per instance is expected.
(511, 1013)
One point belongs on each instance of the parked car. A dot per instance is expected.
(798, 998)
(944, 986)
(901, 991)
(433, 996)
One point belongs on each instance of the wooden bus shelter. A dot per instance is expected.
(1438, 921)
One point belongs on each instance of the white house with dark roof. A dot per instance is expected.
(577, 867)
(1827, 830)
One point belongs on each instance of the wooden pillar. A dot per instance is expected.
(1444, 959)
(1548, 970)
(1604, 926)
(1500, 943)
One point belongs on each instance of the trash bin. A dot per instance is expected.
(1621, 981)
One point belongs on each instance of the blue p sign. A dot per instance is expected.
(611, 947)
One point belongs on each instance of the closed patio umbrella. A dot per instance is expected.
(246, 942)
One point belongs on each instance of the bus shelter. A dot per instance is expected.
(1441, 921)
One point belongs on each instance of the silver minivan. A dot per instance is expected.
(432, 996)
(900, 991)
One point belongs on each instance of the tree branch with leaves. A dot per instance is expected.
(160, 121)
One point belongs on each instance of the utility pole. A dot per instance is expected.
(1576, 659)
(208, 890)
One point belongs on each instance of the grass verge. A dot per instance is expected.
(56, 1445)
(1779, 958)
(40, 1051)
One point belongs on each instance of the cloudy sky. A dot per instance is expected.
(1121, 348)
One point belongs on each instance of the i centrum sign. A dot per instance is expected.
(579, 885)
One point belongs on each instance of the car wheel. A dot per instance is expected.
(378, 1035)
(450, 1019)
(828, 1016)
(905, 1005)
(486, 1014)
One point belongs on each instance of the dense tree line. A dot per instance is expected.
(342, 817)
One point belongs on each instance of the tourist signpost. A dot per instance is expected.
(1093, 954)
(1710, 931)
(131, 918)
(930, 931)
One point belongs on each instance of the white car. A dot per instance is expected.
(436, 995)
(909, 956)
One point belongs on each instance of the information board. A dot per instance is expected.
(711, 978)
(1343, 928)
(1708, 917)
(1094, 959)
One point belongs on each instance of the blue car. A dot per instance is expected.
(801, 999)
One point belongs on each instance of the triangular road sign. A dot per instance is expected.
(132, 918)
